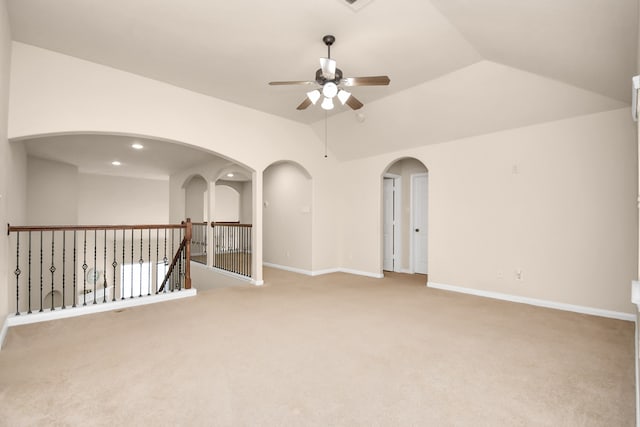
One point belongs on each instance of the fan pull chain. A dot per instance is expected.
(325, 134)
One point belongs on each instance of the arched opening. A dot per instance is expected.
(405, 217)
(287, 216)
(118, 178)
(195, 204)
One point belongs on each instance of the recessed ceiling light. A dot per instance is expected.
(116, 163)
(230, 175)
(137, 146)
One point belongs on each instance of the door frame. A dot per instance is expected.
(412, 243)
(397, 226)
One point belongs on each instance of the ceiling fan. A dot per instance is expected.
(332, 83)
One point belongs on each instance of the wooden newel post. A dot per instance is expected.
(187, 248)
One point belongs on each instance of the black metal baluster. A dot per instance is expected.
(166, 261)
(75, 266)
(247, 258)
(173, 248)
(29, 302)
(104, 269)
(52, 269)
(114, 264)
(84, 271)
(95, 264)
(205, 232)
(157, 259)
(226, 261)
(122, 266)
(41, 273)
(180, 271)
(182, 258)
(64, 255)
(150, 275)
(132, 239)
(17, 273)
(141, 262)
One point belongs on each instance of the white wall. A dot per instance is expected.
(557, 201)
(115, 200)
(227, 204)
(52, 192)
(5, 156)
(287, 216)
(246, 198)
(246, 208)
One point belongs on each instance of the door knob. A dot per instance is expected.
(417, 230)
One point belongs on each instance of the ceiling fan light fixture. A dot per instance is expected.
(343, 95)
(330, 89)
(327, 104)
(313, 96)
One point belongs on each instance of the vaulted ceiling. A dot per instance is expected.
(510, 62)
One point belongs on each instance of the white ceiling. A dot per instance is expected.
(584, 49)
(94, 154)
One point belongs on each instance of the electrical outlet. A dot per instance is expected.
(519, 275)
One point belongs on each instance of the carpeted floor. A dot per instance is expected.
(333, 350)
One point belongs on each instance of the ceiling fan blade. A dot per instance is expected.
(353, 102)
(294, 82)
(366, 81)
(328, 67)
(304, 104)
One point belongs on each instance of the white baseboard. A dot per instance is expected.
(59, 313)
(230, 274)
(537, 302)
(287, 268)
(321, 272)
(325, 271)
(3, 332)
(362, 273)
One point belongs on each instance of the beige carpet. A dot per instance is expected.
(334, 350)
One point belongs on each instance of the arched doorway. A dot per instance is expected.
(405, 216)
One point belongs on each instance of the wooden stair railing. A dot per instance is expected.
(70, 265)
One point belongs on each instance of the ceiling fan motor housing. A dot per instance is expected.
(321, 80)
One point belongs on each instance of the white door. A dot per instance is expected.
(387, 228)
(419, 222)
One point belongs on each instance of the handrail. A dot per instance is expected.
(12, 228)
(230, 224)
(175, 260)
